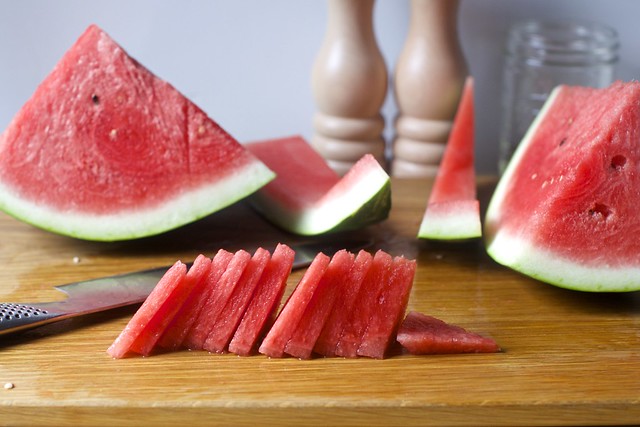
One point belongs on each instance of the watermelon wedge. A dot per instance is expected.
(453, 211)
(260, 314)
(105, 150)
(339, 316)
(278, 336)
(362, 311)
(389, 309)
(132, 337)
(565, 211)
(422, 334)
(220, 293)
(315, 315)
(174, 335)
(228, 319)
(308, 197)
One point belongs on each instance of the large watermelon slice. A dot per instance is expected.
(453, 211)
(566, 209)
(105, 150)
(308, 197)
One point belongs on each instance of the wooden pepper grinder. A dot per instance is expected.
(428, 82)
(349, 82)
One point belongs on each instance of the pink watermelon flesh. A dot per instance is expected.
(260, 313)
(174, 336)
(315, 315)
(227, 321)
(308, 197)
(565, 210)
(453, 211)
(218, 297)
(157, 301)
(127, 154)
(389, 310)
(360, 316)
(422, 334)
(276, 339)
(339, 316)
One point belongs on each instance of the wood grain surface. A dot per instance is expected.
(568, 358)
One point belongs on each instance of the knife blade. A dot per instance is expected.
(106, 293)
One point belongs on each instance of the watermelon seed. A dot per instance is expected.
(562, 142)
(600, 211)
(618, 162)
(95, 99)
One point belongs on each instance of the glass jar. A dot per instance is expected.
(542, 55)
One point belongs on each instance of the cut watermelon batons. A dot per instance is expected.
(453, 211)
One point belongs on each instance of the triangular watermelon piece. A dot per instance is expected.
(158, 302)
(278, 336)
(227, 321)
(218, 297)
(453, 211)
(105, 150)
(329, 288)
(330, 335)
(360, 315)
(260, 313)
(308, 197)
(173, 337)
(565, 211)
(422, 334)
(388, 310)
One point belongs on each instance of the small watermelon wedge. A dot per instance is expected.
(362, 311)
(328, 340)
(309, 198)
(262, 309)
(388, 310)
(278, 336)
(220, 293)
(133, 338)
(228, 319)
(422, 334)
(453, 211)
(565, 211)
(315, 315)
(105, 150)
(174, 336)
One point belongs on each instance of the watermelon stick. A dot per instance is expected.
(329, 288)
(328, 339)
(229, 318)
(288, 319)
(260, 314)
(173, 337)
(160, 296)
(453, 211)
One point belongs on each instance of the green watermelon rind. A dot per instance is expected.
(520, 255)
(451, 221)
(365, 203)
(172, 213)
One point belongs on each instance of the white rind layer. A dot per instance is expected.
(183, 209)
(330, 211)
(549, 267)
(458, 220)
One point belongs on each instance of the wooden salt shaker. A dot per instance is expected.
(428, 82)
(349, 83)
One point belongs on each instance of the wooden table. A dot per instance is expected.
(569, 358)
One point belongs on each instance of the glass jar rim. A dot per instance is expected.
(563, 42)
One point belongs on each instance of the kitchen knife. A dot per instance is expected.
(92, 296)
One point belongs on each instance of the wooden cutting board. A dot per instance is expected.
(569, 358)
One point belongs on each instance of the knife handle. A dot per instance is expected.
(15, 317)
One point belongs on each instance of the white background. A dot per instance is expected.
(248, 62)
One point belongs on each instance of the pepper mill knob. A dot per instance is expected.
(349, 82)
(428, 82)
